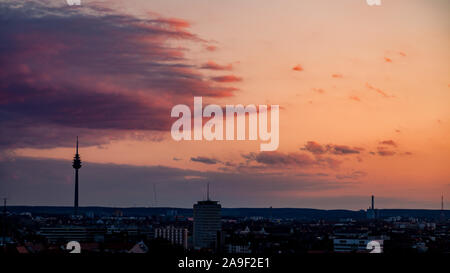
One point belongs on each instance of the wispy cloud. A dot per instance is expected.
(319, 90)
(227, 78)
(215, 66)
(389, 142)
(294, 159)
(205, 160)
(383, 151)
(354, 98)
(379, 91)
(211, 47)
(352, 175)
(318, 149)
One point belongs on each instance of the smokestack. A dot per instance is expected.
(373, 202)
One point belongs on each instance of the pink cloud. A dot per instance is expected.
(355, 98)
(215, 66)
(317, 149)
(383, 151)
(211, 48)
(227, 78)
(379, 91)
(389, 142)
(297, 68)
(319, 90)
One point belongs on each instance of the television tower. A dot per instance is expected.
(76, 165)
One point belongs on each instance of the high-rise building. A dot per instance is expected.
(207, 223)
(76, 165)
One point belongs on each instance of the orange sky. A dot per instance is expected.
(369, 74)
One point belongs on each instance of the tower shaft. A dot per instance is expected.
(76, 193)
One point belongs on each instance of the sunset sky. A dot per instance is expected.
(364, 95)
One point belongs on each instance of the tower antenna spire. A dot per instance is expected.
(207, 191)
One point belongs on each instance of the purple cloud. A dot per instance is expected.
(279, 159)
(318, 149)
(91, 70)
(205, 160)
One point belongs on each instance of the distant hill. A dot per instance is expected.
(294, 213)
